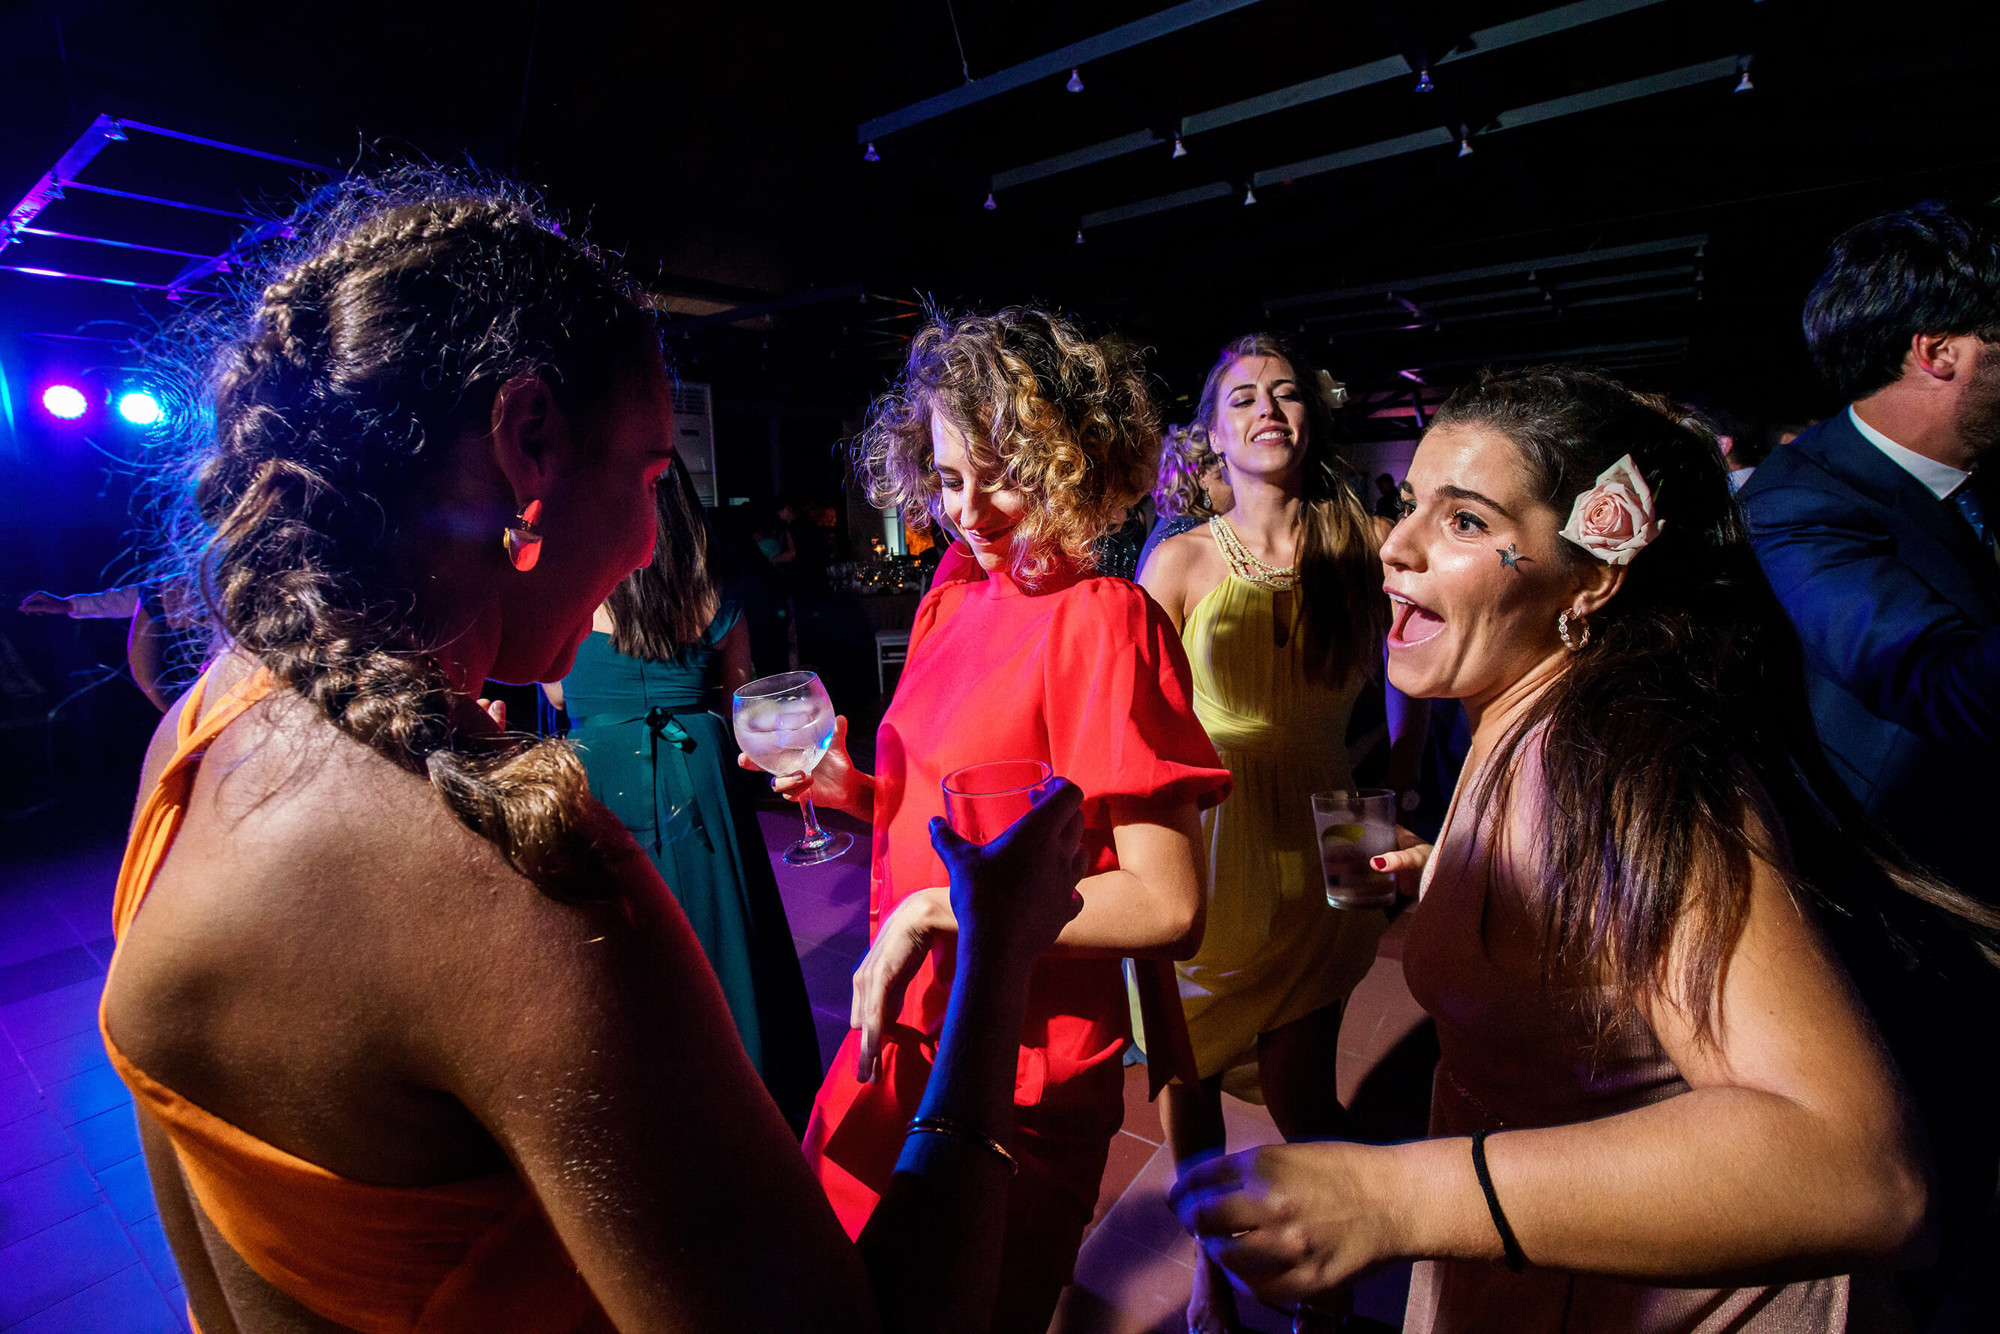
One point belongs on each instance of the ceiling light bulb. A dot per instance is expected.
(1079, 236)
(1424, 84)
(1743, 85)
(1180, 149)
(1249, 195)
(1075, 83)
(871, 155)
(1465, 145)
(990, 203)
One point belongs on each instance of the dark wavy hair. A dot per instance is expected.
(1931, 268)
(1678, 743)
(1068, 419)
(334, 390)
(1343, 614)
(665, 605)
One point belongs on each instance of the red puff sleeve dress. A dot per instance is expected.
(1086, 674)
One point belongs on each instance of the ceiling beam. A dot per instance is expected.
(1554, 109)
(1685, 77)
(1121, 38)
(1496, 38)
(1575, 259)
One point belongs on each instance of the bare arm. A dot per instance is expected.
(1176, 568)
(177, 1219)
(1793, 1154)
(737, 669)
(170, 1189)
(1152, 906)
(670, 1176)
(145, 655)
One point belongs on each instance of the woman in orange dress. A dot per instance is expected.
(1027, 439)
(419, 1040)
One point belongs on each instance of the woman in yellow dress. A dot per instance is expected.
(1281, 608)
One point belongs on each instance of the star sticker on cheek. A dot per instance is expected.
(1510, 556)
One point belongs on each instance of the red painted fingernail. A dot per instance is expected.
(1378, 862)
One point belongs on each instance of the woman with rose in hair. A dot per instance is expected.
(1663, 1102)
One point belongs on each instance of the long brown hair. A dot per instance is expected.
(1343, 613)
(1678, 745)
(666, 604)
(405, 304)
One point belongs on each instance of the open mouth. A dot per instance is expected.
(1271, 438)
(1413, 624)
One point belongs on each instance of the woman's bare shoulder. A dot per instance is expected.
(1181, 570)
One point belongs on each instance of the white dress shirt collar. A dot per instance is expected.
(1941, 479)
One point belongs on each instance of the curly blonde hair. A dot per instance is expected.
(1068, 420)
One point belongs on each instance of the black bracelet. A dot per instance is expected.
(1509, 1247)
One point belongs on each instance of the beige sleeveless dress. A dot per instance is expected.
(1516, 1055)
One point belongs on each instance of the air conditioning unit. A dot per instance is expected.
(694, 437)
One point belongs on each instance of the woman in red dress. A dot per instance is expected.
(1028, 439)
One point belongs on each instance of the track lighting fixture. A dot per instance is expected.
(1079, 236)
(1075, 83)
(990, 203)
(1249, 195)
(1424, 84)
(871, 155)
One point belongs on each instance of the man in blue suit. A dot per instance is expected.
(1873, 527)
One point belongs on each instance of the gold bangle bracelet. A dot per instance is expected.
(939, 1125)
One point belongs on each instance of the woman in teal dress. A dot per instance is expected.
(666, 650)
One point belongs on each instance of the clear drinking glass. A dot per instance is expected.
(982, 801)
(784, 723)
(1353, 827)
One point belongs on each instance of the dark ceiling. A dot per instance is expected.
(1620, 203)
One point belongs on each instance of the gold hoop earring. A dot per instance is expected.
(520, 541)
(1573, 642)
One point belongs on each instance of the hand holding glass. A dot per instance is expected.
(982, 801)
(1352, 829)
(784, 724)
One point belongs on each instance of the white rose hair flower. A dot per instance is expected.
(1614, 520)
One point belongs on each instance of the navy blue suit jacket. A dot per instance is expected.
(1898, 607)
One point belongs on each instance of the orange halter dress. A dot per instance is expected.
(455, 1258)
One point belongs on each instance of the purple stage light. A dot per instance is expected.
(64, 401)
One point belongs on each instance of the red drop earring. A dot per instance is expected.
(521, 542)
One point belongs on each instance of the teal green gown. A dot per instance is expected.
(659, 759)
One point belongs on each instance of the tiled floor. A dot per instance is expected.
(81, 1249)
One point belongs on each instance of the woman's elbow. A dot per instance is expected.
(1186, 929)
(1899, 1227)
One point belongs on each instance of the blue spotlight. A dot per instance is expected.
(139, 407)
(65, 401)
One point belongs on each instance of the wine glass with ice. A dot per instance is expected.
(784, 723)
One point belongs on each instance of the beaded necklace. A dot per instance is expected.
(1246, 566)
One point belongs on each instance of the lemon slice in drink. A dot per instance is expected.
(1341, 833)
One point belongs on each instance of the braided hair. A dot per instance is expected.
(404, 306)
